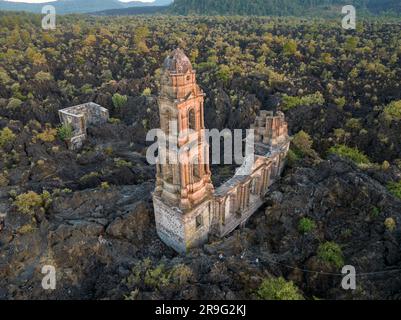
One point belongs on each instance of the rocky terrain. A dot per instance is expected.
(103, 243)
(89, 213)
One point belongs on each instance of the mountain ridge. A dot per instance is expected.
(79, 6)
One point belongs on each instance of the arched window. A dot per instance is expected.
(168, 173)
(196, 172)
(168, 119)
(255, 185)
(192, 119)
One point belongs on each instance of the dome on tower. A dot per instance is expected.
(177, 62)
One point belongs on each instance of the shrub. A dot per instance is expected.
(224, 73)
(28, 228)
(289, 102)
(306, 225)
(4, 78)
(302, 144)
(147, 92)
(392, 112)
(105, 186)
(330, 252)
(122, 163)
(3, 180)
(278, 289)
(119, 100)
(375, 212)
(390, 224)
(181, 274)
(43, 76)
(6, 136)
(395, 189)
(292, 157)
(352, 154)
(65, 132)
(28, 202)
(48, 135)
(290, 47)
(340, 102)
(14, 103)
(114, 121)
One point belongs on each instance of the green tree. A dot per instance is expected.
(290, 47)
(278, 289)
(119, 100)
(6, 136)
(331, 253)
(352, 154)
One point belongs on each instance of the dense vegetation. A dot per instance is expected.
(280, 7)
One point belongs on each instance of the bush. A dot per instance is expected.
(302, 145)
(181, 274)
(6, 136)
(147, 92)
(28, 202)
(290, 102)
(390, 224)
(14, 103)
(43, 76)
(278, 289)
(28, 228)
(290, 47)
(122, 163)
(330, 252)
(392, 112)
(395, 189)
(340, 102)
(48, 135)
(3, 180)
(105, 186)
(119, 100)
(65, 132)
(306, 225)
(352, 154)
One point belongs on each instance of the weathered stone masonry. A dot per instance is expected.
(187, 207)
(80, 117)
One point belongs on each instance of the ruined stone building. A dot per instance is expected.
(188, 209)
(79, 118)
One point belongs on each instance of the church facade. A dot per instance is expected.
(188, 209)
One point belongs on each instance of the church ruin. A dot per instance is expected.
(81, 116)
(188, 209)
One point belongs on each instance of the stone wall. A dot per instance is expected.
(80, 117)
(234, 202)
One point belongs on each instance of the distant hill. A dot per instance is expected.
(278, 7)
(133, 11)
(80, 6)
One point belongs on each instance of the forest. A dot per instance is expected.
(89, 211)
(283, 7)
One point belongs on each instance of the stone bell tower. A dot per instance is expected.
(182, 198)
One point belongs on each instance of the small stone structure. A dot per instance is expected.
(80, 117)
(187, 207)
